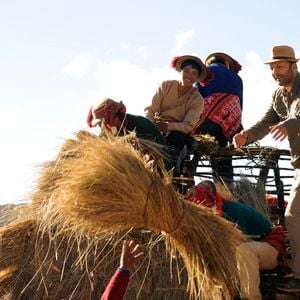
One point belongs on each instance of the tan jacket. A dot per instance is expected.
(182, 113)
(285, 107)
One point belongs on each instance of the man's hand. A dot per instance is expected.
(240, 139)
(162, 126)
(130, 253)
(279, 131)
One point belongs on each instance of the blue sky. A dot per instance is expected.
(59, 57)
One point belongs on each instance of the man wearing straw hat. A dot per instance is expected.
(282, 120)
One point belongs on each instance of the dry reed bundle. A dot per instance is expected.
(38, 265)
(246, 192)
(7, 213)
(252, 194)
(77, 265)
(106, 187)
(48, 181)
(66, 244)
(205, 144)
(13, 241)
(225, 190)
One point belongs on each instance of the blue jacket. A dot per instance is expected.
(247, 219)
(224, 81)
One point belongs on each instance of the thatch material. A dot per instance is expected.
(91, 197)
(205, 144)
(7, 212)
(73, 265)
(246, 192)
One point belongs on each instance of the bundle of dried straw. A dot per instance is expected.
(96, 192)
(205, 144)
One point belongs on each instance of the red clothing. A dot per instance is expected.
(276, 238)
(225, 110)
(117, 286)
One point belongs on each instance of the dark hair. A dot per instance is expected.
(120, 114)
(216, 60)
(194, 64)
(211, 185)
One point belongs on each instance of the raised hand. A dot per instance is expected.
(131, 251)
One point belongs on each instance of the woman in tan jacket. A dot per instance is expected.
(177, 104)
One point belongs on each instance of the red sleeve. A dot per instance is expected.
(117, 286)
(89, 118)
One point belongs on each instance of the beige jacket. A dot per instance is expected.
(182, 113)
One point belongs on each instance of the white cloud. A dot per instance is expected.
(17, 157)
(141, 50)
(144, 51)
(11, 119)
(258, 87)
(79, 66)
(125, 46)
(182, 39)
(135, 86)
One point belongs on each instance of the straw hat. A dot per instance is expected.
(179, 60)
(232, 63)
(280, 53)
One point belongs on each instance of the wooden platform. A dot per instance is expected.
(271, 166)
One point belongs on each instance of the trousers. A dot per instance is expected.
(252, 257)
(292, 222)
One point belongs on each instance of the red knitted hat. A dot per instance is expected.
(105, 111)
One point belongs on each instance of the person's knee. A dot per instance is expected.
(178, 139)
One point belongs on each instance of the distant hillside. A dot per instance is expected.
(6, 211)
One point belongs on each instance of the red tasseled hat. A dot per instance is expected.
(106, 111)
